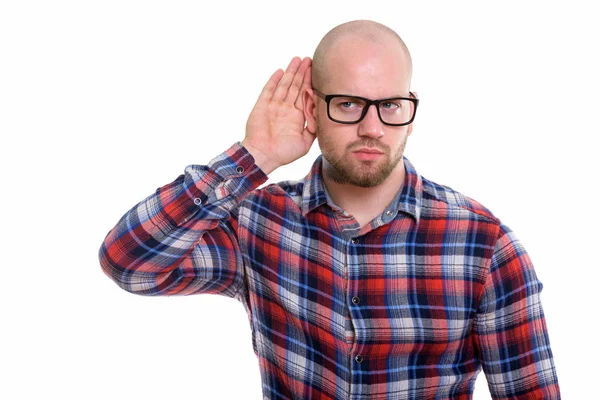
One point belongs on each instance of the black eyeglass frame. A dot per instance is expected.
(368, 102)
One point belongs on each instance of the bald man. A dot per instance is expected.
(364, 280)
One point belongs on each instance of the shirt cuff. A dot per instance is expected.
(232, 174)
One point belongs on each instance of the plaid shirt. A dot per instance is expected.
(412, 306)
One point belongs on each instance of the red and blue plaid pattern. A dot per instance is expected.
(412, 306)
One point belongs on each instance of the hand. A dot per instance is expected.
(275, 131)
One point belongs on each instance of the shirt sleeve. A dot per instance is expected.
(182, 239)
(510, 328)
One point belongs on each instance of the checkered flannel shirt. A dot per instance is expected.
(412, 306)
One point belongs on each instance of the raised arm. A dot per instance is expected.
(182, 238)
(276, 132)
(510, 330)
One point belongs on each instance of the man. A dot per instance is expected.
(364, 280)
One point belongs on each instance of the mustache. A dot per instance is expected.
(370, 143)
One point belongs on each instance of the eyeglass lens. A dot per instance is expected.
(350, 109)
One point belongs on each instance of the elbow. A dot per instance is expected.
(112, 269)
(124, 276)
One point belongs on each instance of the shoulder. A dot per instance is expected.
(278, 193)
(437, 196)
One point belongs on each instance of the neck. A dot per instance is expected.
(365, 203)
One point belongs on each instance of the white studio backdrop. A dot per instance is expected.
(103, 102)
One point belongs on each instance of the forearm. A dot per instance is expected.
(510, 329)
(173, 241)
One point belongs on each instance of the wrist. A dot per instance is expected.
(261, 159)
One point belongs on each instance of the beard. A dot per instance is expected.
(363, 173)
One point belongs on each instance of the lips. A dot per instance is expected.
(368, 151)
(367, 154)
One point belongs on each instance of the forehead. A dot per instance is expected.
(367, 68)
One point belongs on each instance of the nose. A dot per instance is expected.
(371, 125)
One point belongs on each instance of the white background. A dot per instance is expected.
(101, 102)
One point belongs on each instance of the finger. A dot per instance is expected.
(269, 88)
(286, 80)
(306, 84)
(308, 77)
(294, 89)
(297, 81)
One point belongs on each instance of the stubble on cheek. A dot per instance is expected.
(342, 167)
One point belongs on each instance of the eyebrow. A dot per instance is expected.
(363, 97)
(321, 94)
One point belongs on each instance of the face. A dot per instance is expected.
(364, 162)
(367, 153)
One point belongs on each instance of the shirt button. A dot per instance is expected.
(355, 300)
(239, 170)
(359, 358)
(197, 201)
(389, 212)
(354, 241)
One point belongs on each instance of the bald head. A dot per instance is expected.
(364, 30)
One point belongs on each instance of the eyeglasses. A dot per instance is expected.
(349, 109)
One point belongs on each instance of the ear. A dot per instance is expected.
(410, 127)
(310, 110)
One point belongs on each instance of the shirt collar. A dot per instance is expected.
(315, 194)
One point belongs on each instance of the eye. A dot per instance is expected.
(390, 105)
(347, 103)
